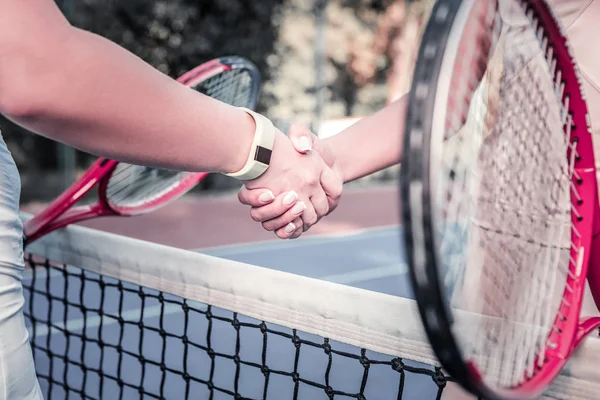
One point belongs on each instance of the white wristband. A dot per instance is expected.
(260, 151)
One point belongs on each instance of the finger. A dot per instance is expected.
(296, 233)
(290, 229)
(276, 208)
(333, 185)
(321, 205)
(255, 197)
(295, 212)
(309, 216)
(302, 138)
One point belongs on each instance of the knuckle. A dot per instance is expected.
(311, 179)
(337, 192)
(324, 211)
(268, 226)
(256, 215)
(321, 209)
(310, 221)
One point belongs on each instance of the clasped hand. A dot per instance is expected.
(302, 185)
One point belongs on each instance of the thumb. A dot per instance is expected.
(302, 138)
(304, 141)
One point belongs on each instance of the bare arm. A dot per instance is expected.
(80, 89)
(376, 142)
(371, 144)
(83, 90)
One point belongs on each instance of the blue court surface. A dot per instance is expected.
(370, 259)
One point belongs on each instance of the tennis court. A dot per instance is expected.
(128, 342)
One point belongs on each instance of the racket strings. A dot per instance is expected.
(505, 207)
(232, 87)
(538, 285)
(133, 186)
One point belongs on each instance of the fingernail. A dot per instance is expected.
(304, 144)
(289, 228)
(290, 198)
(299, 208)
(266, 197)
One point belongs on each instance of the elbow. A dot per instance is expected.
(16, 105)
(31, 77)
(19, 94)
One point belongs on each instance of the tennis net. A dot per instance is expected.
(112, 317)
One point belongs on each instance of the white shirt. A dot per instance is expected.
(581, 21)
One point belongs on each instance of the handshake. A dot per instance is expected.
(302, 184)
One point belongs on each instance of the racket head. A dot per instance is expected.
(133, 189)
(498, 195)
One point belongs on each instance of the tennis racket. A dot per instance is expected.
(125, 189)
(499, 195)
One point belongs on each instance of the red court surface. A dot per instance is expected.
(196, 222)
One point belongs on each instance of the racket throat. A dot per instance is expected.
(35, 227)
(70, 216)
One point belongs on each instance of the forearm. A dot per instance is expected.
(95, 96)
(371, 144)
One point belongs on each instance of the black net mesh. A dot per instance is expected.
(95, 337)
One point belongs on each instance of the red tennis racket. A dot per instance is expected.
(125, 189)
(499, 195)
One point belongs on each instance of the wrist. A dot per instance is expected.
(334, 145)
(258, 156)
(239, 154)
(279, 152)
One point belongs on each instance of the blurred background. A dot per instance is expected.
(323, 63)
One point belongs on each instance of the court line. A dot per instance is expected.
(316, 240)
(362, 275)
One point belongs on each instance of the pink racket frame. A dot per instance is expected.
(569, 328)
(432, 91)
(59, 213)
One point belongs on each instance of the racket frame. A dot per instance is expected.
(419, 219)
(60, 212)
